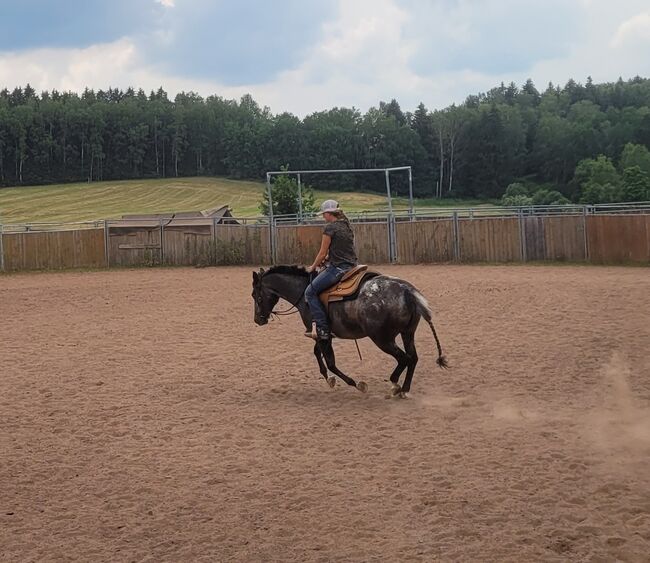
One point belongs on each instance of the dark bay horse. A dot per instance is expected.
(385, 307)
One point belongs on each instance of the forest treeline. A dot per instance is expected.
(582, 142)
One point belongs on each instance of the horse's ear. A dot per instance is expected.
(261, 272)
(256, 277)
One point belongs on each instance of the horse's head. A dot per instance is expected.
(264, 298)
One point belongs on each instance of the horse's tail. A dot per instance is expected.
(425, 311)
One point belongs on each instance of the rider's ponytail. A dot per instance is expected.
(340, 216)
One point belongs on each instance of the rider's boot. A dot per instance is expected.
(319, 333)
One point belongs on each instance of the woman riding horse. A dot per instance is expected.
(384, 308)
(337, 245)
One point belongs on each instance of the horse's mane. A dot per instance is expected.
(287, 270)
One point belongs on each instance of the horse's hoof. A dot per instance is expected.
(404, 395)
(331, 381)
(362, 386)
(395, 389)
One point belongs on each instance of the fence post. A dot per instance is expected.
(271, 218)
(162, 243)
(584, 232)
(107, 250)
(2, 252)
(411, 207)
(213, 253)
(456, 236)
(522, 236)
(392, 239)
(299, 199)
(272, 230)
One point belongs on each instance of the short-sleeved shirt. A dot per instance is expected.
(342, 246)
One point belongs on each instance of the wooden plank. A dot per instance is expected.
(490, 239)
(425, 242)
(188, 246)
(143, 236)
(55, 250)
(618, 239)
(137, 246)
(298, 244)
(371, 241)
(243, 244)
(564, 237)
(534, 237)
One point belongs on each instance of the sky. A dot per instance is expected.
(303, 56)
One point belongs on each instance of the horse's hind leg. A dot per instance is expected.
(391, 348)
(412, 358)
(321, 365)
(328, 353)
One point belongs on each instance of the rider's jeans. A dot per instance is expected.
(327, 278)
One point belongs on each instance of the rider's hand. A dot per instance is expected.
(309, 269)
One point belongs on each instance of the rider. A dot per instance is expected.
(337, 245)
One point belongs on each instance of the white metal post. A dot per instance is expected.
(390, 201)
(271, 225)
(411, 194)
(391, 222)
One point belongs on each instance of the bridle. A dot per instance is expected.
(286, 312)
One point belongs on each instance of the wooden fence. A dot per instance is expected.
(601, 239)
(53, 250)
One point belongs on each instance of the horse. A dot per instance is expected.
(384, 307)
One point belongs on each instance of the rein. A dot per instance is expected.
(290, 310)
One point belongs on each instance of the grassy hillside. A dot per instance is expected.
(105, 200)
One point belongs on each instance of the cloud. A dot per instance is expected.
(66, 69)
(489, 36)
(308, 56)
(234, 42)
(636, 29)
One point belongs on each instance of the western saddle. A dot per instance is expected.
(347, 287)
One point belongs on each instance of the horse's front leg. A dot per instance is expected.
(328, 352)
(321, 365)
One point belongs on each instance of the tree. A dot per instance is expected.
(593, 192)
(516, 194)
(474, 149)
(422, 124)
(549, 197)
(635, 155)
(284, 190)
(636, 184)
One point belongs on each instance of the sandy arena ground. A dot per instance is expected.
(144, 417)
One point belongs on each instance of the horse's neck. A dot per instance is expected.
(290, 288)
